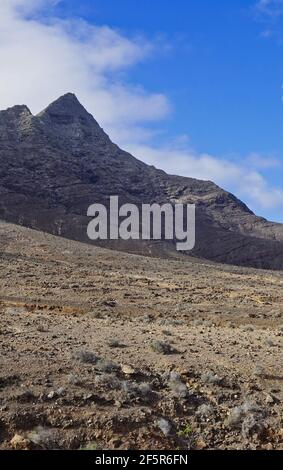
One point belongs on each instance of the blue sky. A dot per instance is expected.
(223, 78)
(191, 86)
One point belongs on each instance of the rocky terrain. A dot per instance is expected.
(104, 349)
(53, 166)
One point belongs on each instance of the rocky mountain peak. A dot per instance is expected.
(13, 121)
(20, 110)
(66, 105)
(15, 112)
(67, 119)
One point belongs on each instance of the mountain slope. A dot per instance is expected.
(63, 303)
(56, 164)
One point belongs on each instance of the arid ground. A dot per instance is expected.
(101, 349)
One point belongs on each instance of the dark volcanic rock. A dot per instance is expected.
(56, 164)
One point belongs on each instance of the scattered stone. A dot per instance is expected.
(110, 303)
(248, 328)
(166, 333)
(200, 445)
(128, 370)
(259, 371)
(270, 399)
(19, 442)
(114, 343)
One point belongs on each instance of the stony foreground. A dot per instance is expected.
(101, 349)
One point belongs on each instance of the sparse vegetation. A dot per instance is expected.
(185, 432)
(211, 378)
(248, 417)
(162, 347)
(90, 446)
(164, 426)
(205, 411)
(43, 438)
(106, 366)
(141, 391)
(178, 388)
(86, 357)
(107, 381)
(253, 426)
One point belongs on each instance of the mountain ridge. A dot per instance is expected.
(58, 162)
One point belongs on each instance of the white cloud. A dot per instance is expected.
(243, 179)
(40, 61)
(43, 59)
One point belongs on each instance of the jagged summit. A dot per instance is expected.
(67, 119)
(56, 164)
(67, 104)
(69, 97)
(20, 109)
(17, 110)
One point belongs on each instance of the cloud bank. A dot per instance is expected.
(42, 60)
(242, 179)
(43, 57)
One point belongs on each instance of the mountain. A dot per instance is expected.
(54, 165)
